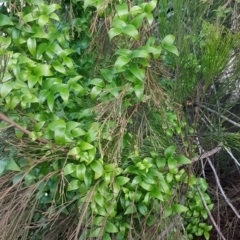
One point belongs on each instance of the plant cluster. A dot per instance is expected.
(94, 155)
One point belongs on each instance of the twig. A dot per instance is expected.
(223, 117)
(230, 153)
(221, 189)
(15, 125)
(210, 215)
(207, 154)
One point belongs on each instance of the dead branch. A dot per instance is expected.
(15, 125)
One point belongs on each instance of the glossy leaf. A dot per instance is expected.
(168, 40)
(31, 43)
(69, 168)
(122, 11)
(169, 151)
(6, 88)
(121, 61)
(161, 163)
(138, 89)
(110, 227)
(85, 146)
(74, 151)
(47, 9)
(80, 171)
(73, 185)
(122, 180)
(178, 208)
(5, 20)
(149, 7)
(97, 167)
(131, 209)
(99, 199)
(59, 136)
(172, 163)
(59, 67)
(113, 32)
(183, 160)
(156, 193)
(64, 92)
(131, 31)
(138, 72)
(12, 165)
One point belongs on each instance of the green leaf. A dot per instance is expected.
(110, 227)
(122, 11)
(150, 6)
(64, 92)
(85, 146)
(156, 193)
(5, 20)
(50, 101)
(97, 82)
(138, 20)
(136, 180)
(59, 136)
(6, 88)
(56, 124)
(131, 31)
(203, 184)
(43, 20)
(74, 151)
(169, 151)
(150, 18)
(3, 164)
(69, 63)
(98, 220)
(47, 9)
(95, 92)
(140, 54)
(142, 208)
(113, 32)
(99, 199)
(118, 23)
(138, 89)
(168, 40)
(97, 167)
(107, 74)
(59, 67)
(183, 160)
(12, 165)
(80, 171)
(172, 163)
(106, 236)
(121, 61)
(178, 208)
(73, 185)
(77, 132)
(131, 209)
(146, 186)
(138, 72)
(96, 232)
(42, 70)
(167, 44)
(161, 163)
(135, 10)
(172, 49)
(206, 235)
(31, 44)
(122, 180)
(71, 125)
(69, 168)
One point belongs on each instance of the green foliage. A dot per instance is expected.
(92, 163)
